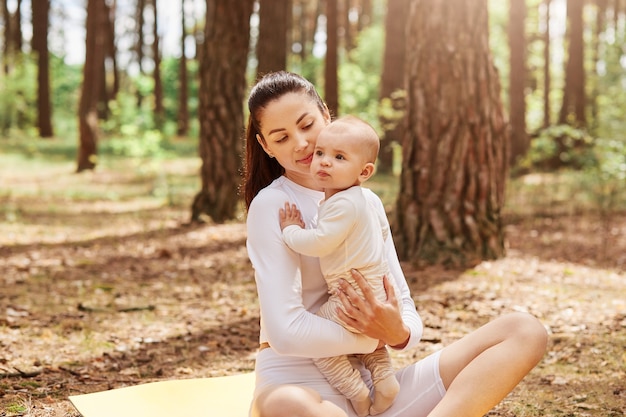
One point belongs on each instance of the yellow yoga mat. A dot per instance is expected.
(224, 396)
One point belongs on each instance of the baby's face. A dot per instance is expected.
(337, 160)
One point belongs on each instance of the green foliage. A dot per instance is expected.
(596, 167)
(65, 81)
(134, 143)
(391, 109)
(561, 145)
(606, 178)
(170, 74)
(359, 76)
(125, 112)
(18, 96)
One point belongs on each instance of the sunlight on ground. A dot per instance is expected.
(46, 202)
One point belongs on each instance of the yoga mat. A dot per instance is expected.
(224, 396)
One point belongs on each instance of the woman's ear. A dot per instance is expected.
(326, 114)
(261, 141)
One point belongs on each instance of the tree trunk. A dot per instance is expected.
(40, 13)
(366, 13)
(274, 18)
(449, 208)
(111, 49)
(18, 37)
(90, 92)
(574, 100)
(601, 6)
(310, 11)
(517, 79)
(546, 66)
(222, 89)
(183, 97)
(13, 37)
(392, 87)
(331, 78)
(139, 21)
(159, 111)
(346, 27)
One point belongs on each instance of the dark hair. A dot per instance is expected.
(259, 169)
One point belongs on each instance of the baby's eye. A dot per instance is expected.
(339, 157)
(319, 153)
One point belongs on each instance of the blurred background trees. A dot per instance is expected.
(148, 76)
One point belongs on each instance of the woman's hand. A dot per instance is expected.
(377, 319)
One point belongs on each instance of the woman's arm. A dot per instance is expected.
(289, 328)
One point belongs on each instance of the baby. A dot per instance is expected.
(350, 234)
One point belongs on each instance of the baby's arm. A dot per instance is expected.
(290, 216)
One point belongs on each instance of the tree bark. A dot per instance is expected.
(159, 110)
(331, 78)
(6, 19)
(601, 6)
(92, 81)
(111, 49)
(183, 97)
(222, 88)
(546, 66)
(392, 88)
(449, 208)
(40, 13)
(574, 100)
(274, 18)
(18, 36)
(139, 21)
(517, 79)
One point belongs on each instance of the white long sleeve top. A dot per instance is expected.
(291, 287)
(350, 233)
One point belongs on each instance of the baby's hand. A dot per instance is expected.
(290, 215)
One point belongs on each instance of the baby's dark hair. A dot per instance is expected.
(259, 169)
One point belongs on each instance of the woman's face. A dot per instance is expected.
(290, 125)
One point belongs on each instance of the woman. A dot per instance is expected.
(467, 378)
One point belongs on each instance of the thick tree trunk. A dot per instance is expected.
(517, 79)
(449, 208)
(392, 86)
(274, 18)
(222, 88)
(40, 11)
(92, 81)
(331, 78)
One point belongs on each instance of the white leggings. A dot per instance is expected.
(421, 387)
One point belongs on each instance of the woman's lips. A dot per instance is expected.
(307, 160)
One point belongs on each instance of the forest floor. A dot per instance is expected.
(100, 290)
